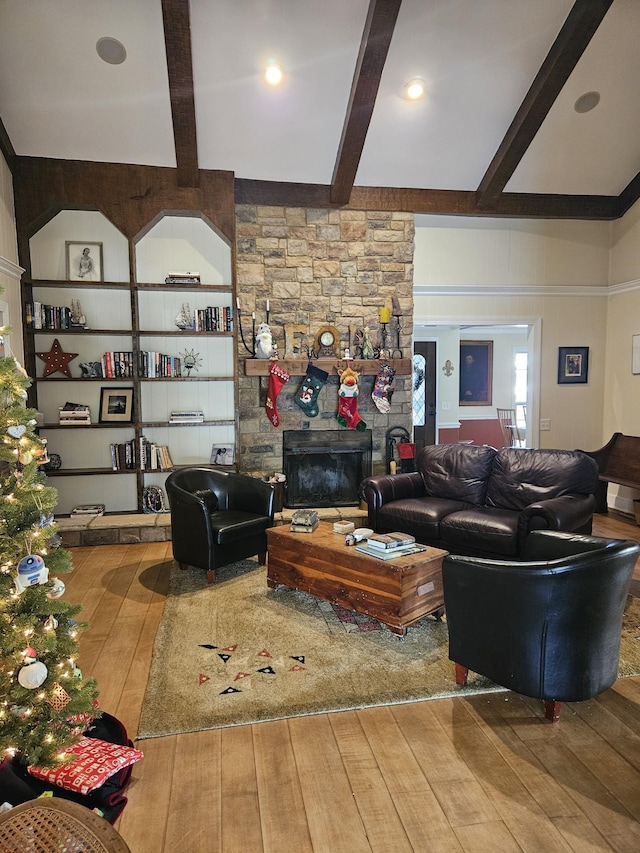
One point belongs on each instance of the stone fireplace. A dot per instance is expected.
(324, 468)
(319, 267)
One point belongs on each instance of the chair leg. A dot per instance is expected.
(462, 673)
(262, 558)
(211, 576)
(183, 566)
(552, 710)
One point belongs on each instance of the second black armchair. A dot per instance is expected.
(548, 626)
(218, 517)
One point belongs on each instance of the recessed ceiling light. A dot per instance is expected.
(273, 74)
(414, 89)
(587, 102)
(111, 50)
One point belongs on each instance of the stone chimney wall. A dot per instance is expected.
(319, 267)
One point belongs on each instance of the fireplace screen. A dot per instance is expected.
(325, 467)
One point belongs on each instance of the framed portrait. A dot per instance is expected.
(116, 405)
(476, 373)
(635, 353)
(573, 365)
(222, 454)
(84, 261)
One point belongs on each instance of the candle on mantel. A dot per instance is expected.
(238, 303)
(267, 306)
(385, 314)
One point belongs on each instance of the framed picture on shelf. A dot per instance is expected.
(116, 405)
(573, 365)
(84, 261)
(222, 454)
(476, 373)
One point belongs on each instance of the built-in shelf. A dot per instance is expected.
(298, 366)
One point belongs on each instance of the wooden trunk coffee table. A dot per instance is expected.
(397, 592)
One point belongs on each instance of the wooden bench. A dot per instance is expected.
(618, 462)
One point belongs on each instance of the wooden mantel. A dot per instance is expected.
(298, 366)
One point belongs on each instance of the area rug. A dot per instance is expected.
(237, 652)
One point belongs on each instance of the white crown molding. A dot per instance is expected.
(9, 268)
(509, 290)
(625, 286)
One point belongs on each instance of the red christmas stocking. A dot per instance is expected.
(348, 415)
(277, 379)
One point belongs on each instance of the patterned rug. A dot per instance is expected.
(237, 652)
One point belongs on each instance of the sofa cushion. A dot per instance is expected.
(481, 530)
(419, 516)
(523, 476)
(456, 471)
(231, 525)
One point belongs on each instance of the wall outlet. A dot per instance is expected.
(446, 407)
(545, 424)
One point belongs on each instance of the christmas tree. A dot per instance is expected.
(45, 703)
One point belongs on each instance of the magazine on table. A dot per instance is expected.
(390, 553)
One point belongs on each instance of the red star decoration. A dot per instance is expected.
(57, 359)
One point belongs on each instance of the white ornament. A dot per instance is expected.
(31, 571)
(32, 675)
(17, 431)
(57, 590)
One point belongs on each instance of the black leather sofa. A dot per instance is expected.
(480, 501)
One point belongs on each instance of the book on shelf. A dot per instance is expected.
(391, 553)
(88, 509)
(389, 541)
(74, 413)
(182, 278)
(186, 417)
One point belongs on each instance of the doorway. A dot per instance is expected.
(423, 393)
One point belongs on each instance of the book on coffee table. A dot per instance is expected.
(388, 541)
(390, 553)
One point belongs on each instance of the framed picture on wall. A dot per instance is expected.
(573, 365)
(84, 261)
(476, 373)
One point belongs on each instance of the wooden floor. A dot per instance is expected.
(480, 774)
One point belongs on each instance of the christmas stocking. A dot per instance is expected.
(307, 396)
(348, 415)
(383, 389)
(277, 378)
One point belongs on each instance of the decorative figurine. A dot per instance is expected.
(367, 346)
(185, 320)
(264, 341)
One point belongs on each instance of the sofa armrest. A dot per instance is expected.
(567, 512)
(384, 488)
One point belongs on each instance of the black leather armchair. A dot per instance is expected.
(218, 517)
(548, 627)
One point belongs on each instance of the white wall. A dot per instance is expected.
(9, 270)
(523, 271)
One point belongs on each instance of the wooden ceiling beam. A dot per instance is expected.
(629, 195)
(442, 202)
(374, 47)
(6, 148)
(177, 39)
(572, 40)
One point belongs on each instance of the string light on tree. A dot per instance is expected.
(38, 644)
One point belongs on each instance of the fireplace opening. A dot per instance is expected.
(324, 468)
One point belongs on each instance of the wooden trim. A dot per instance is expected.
(298, 366)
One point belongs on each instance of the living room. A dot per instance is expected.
(412, 777)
